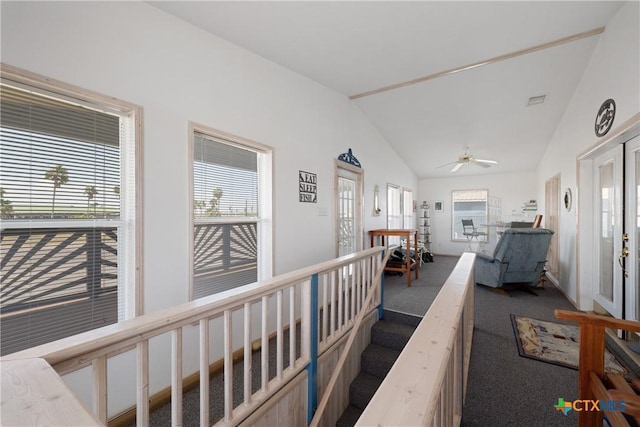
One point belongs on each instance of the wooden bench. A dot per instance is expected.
(594, 383)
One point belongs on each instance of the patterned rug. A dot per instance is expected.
(554, 343)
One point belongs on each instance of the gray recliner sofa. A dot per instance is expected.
(519, 257)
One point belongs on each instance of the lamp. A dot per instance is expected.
(376, 201)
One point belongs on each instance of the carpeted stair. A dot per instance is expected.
(388, 338)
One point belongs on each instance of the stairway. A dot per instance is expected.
(388, 338)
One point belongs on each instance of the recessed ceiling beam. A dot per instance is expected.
(493, 60)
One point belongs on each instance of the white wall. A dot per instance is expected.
(613, 72)
(178, 73)
(513, 190)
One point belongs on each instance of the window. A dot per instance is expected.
(407, 209)
(68, 197)
(394, 212)
(468, 204)
(231, 212)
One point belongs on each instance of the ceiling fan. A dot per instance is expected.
(467, 158)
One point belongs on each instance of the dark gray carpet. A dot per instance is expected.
(418, 298)
(504, 389)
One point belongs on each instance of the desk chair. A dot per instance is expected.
(471, 232)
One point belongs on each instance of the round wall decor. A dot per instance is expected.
(568, 199)
(605, 116)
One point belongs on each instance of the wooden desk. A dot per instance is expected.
(408, 234)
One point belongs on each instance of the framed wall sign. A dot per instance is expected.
(308, 187)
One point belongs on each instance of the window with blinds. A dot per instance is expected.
(67, 213)
(226, 201)
(468, 204)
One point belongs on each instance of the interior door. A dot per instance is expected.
(632, 229)
(608, 203)
(348, 196)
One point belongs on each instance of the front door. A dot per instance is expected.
(608, 202)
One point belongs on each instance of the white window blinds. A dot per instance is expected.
(62, 228)
(225, 210)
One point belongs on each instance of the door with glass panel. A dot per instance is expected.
(348, 197)
(632, 229)
(608, 253)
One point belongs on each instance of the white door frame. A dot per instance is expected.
(611, 159)
(632, 175)
(359, 204)
(586, 238)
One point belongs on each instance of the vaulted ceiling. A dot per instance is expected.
(433, 77)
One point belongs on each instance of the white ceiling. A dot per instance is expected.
(354, 47)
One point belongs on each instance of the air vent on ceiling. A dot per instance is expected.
(535, 100)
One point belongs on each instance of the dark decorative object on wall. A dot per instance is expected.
(308, 185)
(604, 119)
(568, 199)
(348, 157)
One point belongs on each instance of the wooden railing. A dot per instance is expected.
(48, 266)
(318, 417)
(594, 384)
(427, 383)
(323, 299)
(48, 272)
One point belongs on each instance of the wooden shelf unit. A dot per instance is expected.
(411, 236)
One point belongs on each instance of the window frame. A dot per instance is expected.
(408, 219)
(264, 218)
(453, 212)
(130, 268)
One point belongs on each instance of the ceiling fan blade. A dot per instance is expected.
(456, 167)
(447, 164)
(493, 162)
(484, 165)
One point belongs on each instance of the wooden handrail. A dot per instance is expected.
(133, 330)
(94, 348)
(591, 362)
(426, 385)
(322, 406)
(598, 320)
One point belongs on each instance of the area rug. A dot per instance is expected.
(554, 343)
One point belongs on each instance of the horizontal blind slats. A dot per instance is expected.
(56, 282)
(225, 184)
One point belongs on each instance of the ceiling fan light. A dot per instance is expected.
(536, 100)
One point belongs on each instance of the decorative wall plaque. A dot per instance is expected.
(348, 157)
(308, 187)
(605, 116)
(568, 199)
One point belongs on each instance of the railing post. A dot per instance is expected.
(312, 368)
